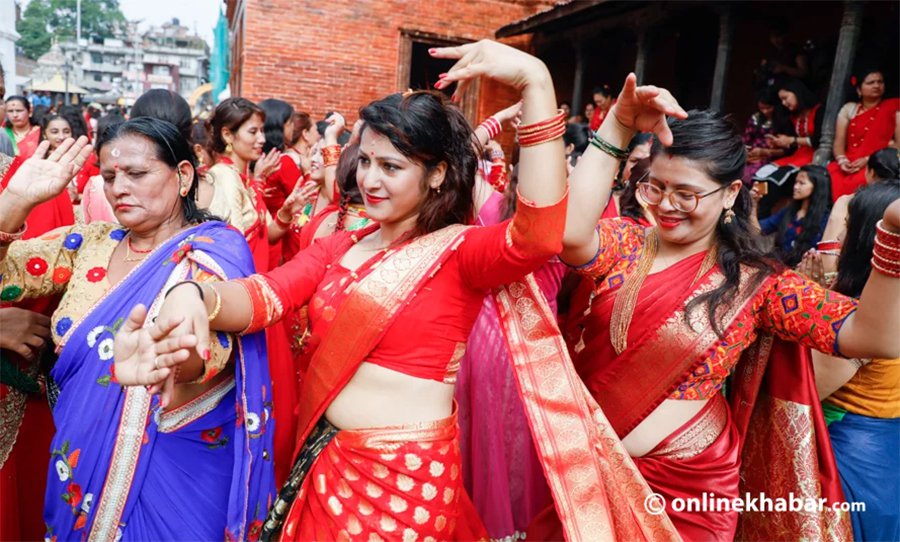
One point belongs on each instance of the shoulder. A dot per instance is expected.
(847, 109)
(222, 173)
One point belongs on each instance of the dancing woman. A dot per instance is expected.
(394, 470)
(677, 306)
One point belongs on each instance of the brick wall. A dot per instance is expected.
(341, 54)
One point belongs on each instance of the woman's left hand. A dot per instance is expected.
(780, 140)
(812, 266)
(488, 58)
(142, 354)
(267, 164)
(300, 196)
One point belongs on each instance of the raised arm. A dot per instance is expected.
(542, 167)
(637, 109)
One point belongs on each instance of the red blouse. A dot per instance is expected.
(429, 336)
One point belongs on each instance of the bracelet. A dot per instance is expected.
(608, 148)
(886, 261)
(199, 289)
(891, 272)
(283, 224)
(330, 155)
(7, 238)
(216, 308)
(544, 131)
(881, 230)
(497, 156)
(828, 245)
(492, 126)
(829, 252)
(887, 250)
(829, 277)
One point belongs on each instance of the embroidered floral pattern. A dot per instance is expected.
(63, 325)
(96, 274)
(214, 438)
(73, 241)
(36, 266)
(61, 275)
(65, 470)
(117, 235)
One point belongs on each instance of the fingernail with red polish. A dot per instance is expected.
(441, 76)
(206, 355)
(431, 51)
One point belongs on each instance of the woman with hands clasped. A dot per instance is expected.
(679, 305)
(378, 454)
(123, 465)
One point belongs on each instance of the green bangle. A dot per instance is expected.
(608, 147)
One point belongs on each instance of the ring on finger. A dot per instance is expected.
(156, 363)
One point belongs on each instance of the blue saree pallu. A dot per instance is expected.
(120, 468)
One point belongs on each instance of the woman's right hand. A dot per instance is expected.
(488, 58)
(41, 179)
(644, 109)
(23, 332)
(336, 125)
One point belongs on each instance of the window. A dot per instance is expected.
(96, 58)
(97, 77)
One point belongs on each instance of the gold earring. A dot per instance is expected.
(228, 148)
(439, 189)
(729, 216)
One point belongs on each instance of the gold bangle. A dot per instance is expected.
(217, 307)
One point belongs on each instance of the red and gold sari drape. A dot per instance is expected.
(726, 450)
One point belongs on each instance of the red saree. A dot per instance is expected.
(26, 146)
(721, 450)
(804, 126)
(868, 131)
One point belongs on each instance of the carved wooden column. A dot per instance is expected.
(723, 58)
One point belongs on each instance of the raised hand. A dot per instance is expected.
(491, 59)
(336, 126)
(41, 179)
(267, 164)
(644, 109)
(300, 196)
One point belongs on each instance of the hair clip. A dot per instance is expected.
(408, 92)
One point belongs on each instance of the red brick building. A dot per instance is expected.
(341, 54)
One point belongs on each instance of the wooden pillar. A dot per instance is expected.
(640, 61)
(723, 59)
(578, 84)
(851, 25)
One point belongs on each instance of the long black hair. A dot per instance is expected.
(427, 128)
(277, 112)
(813, 223)
(806, 99)
(171, 148)
(164, 104)
(865, 210)
(711, 141)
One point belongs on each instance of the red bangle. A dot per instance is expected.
(547, 134)
(828, 245)
(330, 155)
(528, 129)
(885, 268)
(884, 250)
(491, 126)
(886, 237)
(280, 222)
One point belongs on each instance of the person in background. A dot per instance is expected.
(761, 124)
(800, 225)
(20, 127)
(589, 112)
(863, 127)
(802, 138)
(603, 102)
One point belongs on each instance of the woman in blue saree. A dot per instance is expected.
(123, 465)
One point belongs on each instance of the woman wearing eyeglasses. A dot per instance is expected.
(681, 306)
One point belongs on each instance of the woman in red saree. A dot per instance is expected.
(378, 455)
(806, 118)
(21, 132)
(862, 128)
(681, 306)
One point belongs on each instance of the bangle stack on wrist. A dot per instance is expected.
(7, 238)
(330, 155)
(492, 126)
(886, 254)
(608, 148)
(544, 131)
(830, 248)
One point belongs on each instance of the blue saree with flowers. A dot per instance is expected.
(120, 468)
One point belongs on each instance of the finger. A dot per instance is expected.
(34, 341)
(172, 345)
(40, 319)
(661, 129)
(41, 150)
(135, 320)
(74, 150)
(168, 391)
(629, 86)
(164, 326)
(201, 330)
(40, 331)
(171, 359)
(24, 350)
(451, 52)
(59, 151)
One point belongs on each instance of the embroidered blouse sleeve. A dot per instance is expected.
(290, 285)
(41, 266)
(494, 255)
(798, 309)
(620, 239)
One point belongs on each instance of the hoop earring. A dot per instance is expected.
(729, 216)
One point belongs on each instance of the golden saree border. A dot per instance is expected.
(673, 352)
(12, 412)
(597, 489)
(697, 434)
(129, 438)
(780, 432)
(194, 409)
(371, 305)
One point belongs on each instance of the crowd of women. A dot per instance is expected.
(388, 332)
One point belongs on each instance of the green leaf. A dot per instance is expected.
(104, 380)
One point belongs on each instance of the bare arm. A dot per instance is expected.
(832, 372)
(840, 133)
(871, 332)
(637, 108)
